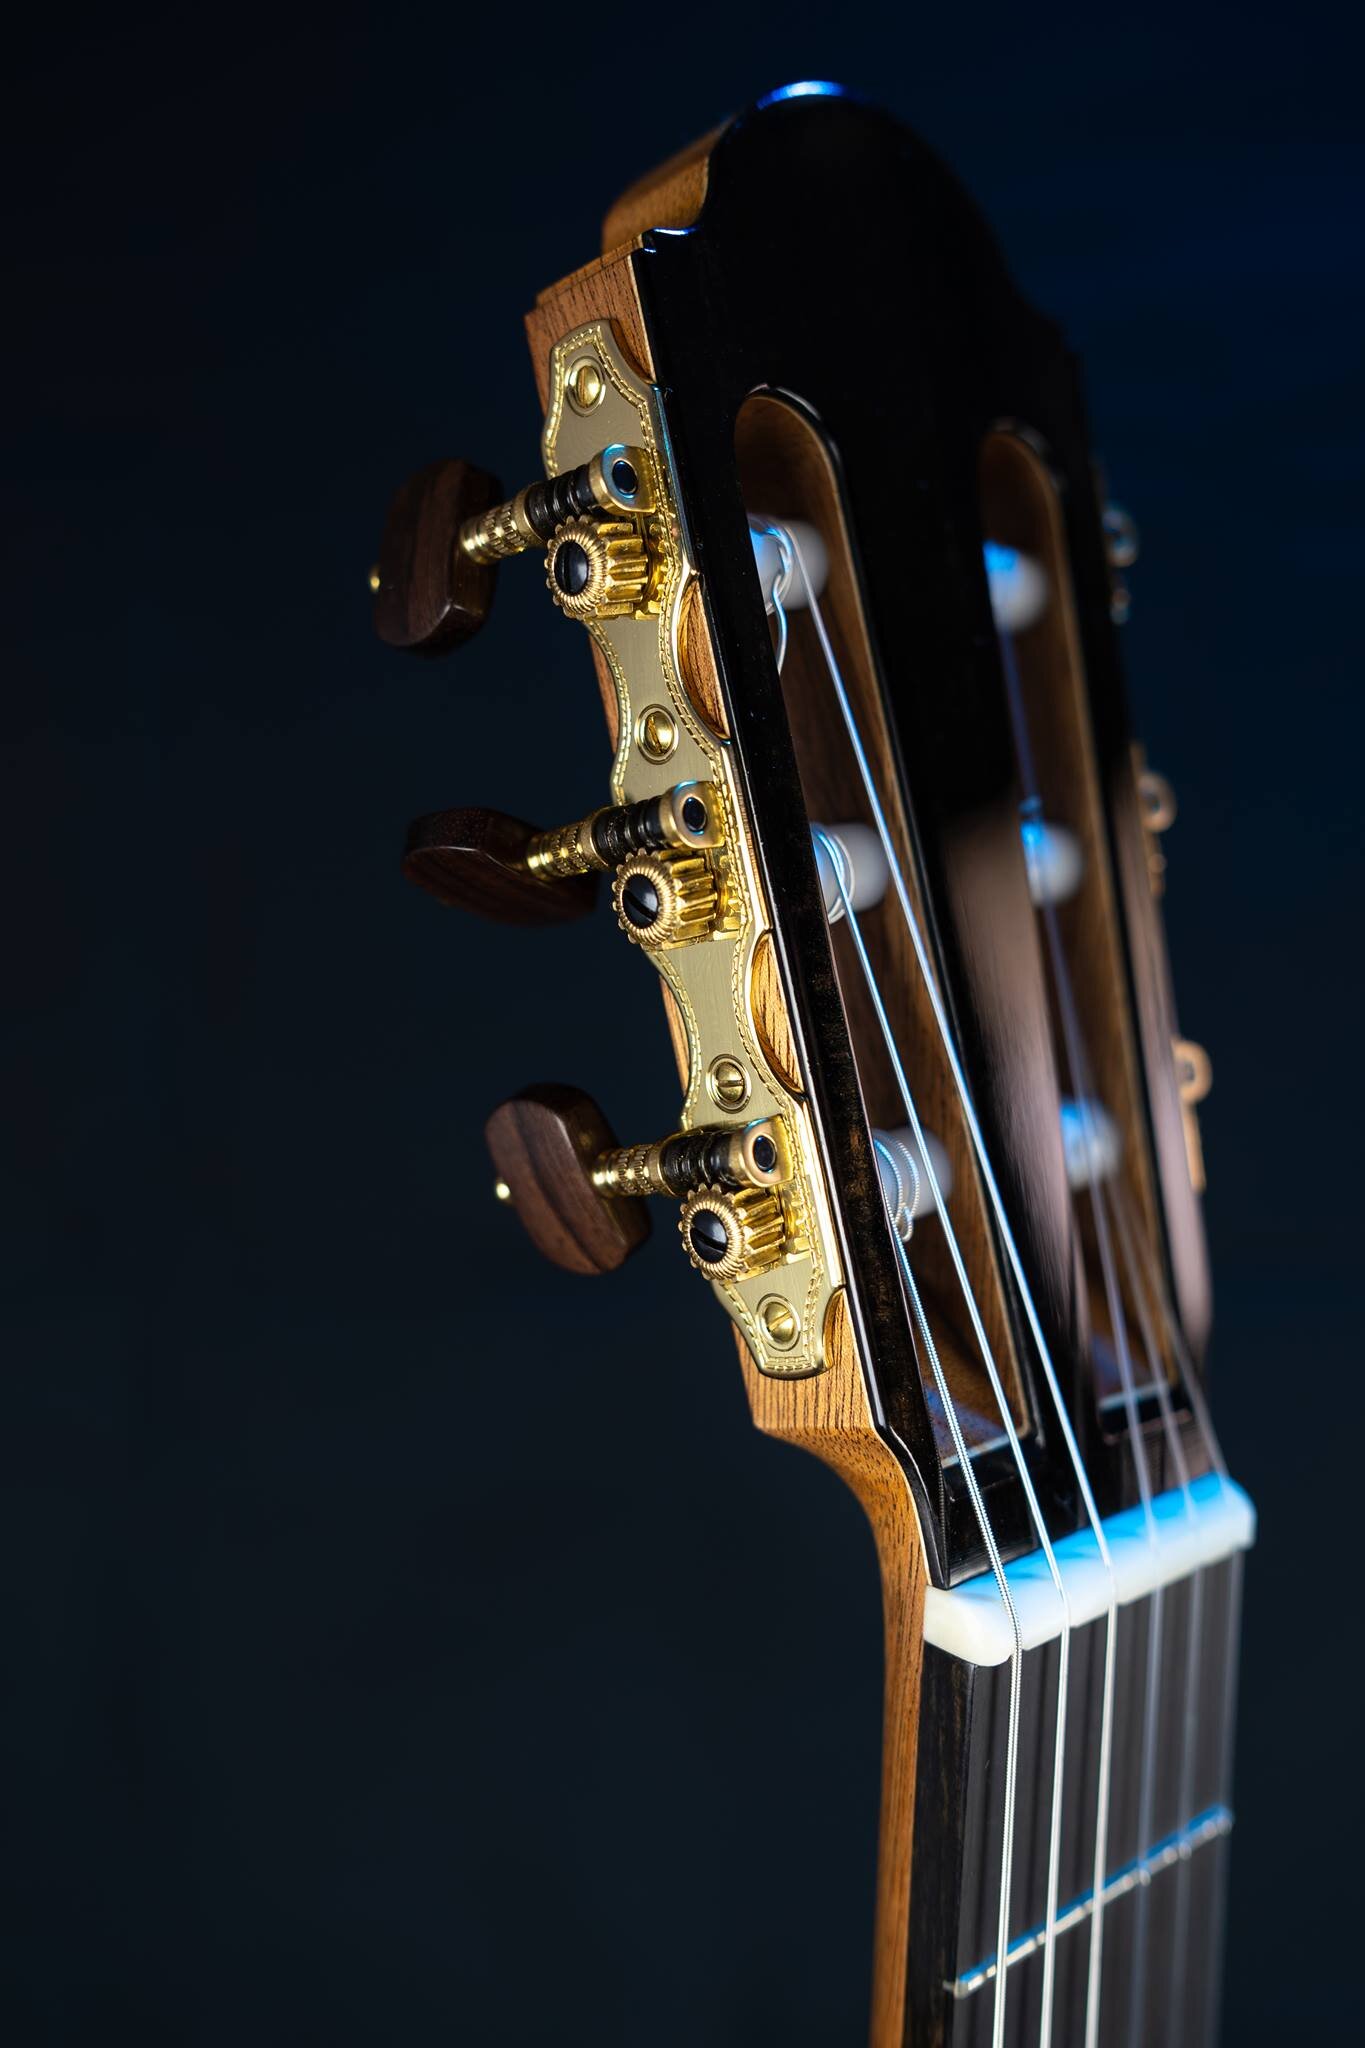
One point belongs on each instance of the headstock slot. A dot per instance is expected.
(1098, 1056)
(786, 472)
(1021, 510)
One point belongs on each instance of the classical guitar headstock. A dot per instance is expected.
(818, 487)
(798, 591)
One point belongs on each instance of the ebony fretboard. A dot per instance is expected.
(1169, 1819)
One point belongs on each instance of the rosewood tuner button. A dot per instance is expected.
(545, 1145)
(580, 1194)
(430, 593)
(478, 860)
(501, 868)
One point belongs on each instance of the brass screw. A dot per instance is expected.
(780, 1321)
(586, 385)
(501, 1191)
(727, 1084)
(374, 579)
(656, 732)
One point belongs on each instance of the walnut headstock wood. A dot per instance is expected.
(818, 484)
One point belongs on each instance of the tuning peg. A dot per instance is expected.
(449, 527)
(501, 868)
(581, 1195)
(592, 523)
(430, 594)
(477, 860)
(615, 482)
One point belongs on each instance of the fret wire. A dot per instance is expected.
(1212, 1825)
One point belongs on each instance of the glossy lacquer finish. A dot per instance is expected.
(837, 264)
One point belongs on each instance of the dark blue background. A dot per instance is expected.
(406, 1642)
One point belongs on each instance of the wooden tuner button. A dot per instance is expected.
(476, 860)
(545, 1145)
(429, 592)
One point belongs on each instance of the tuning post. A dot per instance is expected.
(754, 1156)
(686, 818)
(617, 483)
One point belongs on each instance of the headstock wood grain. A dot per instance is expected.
(819, 486)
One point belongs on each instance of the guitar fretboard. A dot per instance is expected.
(1155, 1955)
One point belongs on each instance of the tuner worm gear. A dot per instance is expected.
(728, 1235)
(666, 899)
(598, 569)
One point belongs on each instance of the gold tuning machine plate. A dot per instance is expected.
(778, 1269)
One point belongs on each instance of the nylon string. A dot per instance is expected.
(1049, 1944)
(1080, 1079)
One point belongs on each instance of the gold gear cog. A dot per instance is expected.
(598, 568)
(665, 899)
(727, 1234)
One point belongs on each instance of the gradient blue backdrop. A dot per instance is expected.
(407, 1643)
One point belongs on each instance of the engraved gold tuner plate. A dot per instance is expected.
(709, 962)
